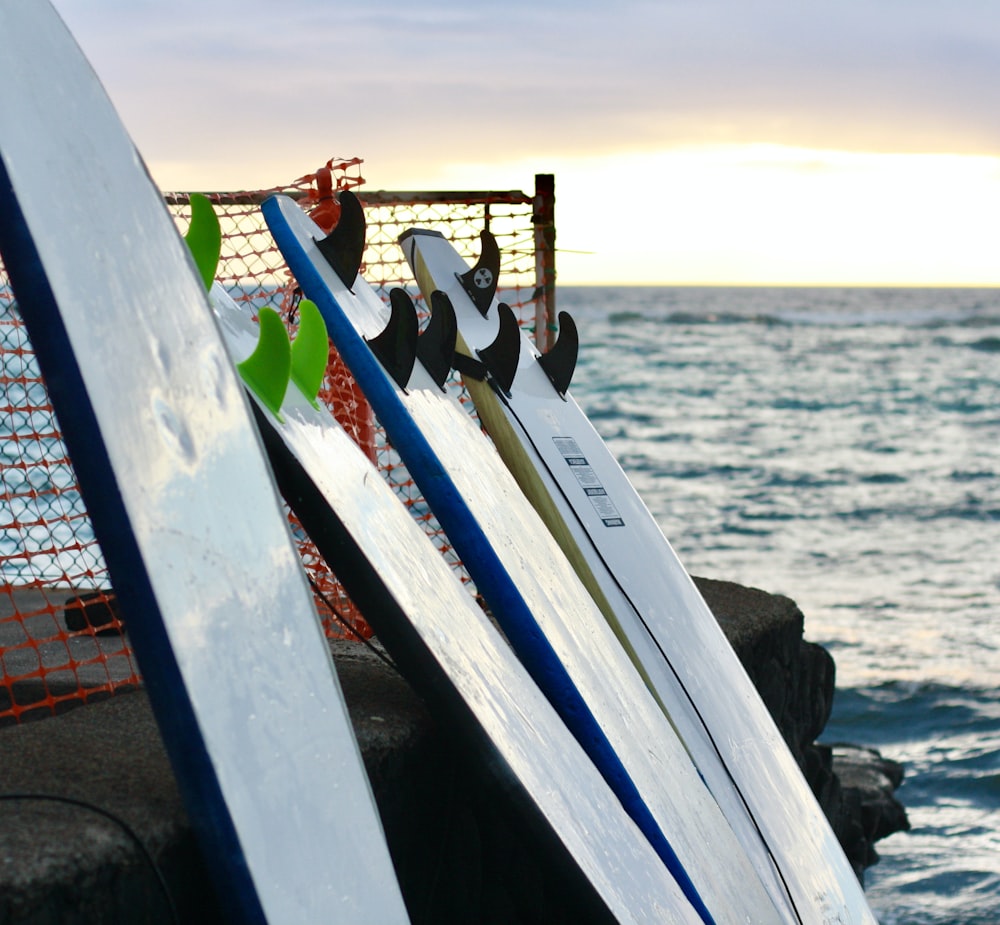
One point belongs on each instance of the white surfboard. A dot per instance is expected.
(604, 528)
(190, 523)
(452, 654)
(530, 587)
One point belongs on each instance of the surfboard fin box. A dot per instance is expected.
(436, 345)
(501, 357)
(267, 371)
(396, 347)
(310, 352)
(344, 247)
(560, 361)
(480, 282)
(204, 238)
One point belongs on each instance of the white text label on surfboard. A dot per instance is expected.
(589, 482)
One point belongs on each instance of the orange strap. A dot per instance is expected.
(326, 213)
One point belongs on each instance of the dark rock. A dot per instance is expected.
(868, 782)
(796, 679)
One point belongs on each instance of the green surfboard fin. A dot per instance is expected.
(268, 369)
(204, 238)
(310, 351)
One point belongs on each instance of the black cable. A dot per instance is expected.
(344, 622)
(121, 823)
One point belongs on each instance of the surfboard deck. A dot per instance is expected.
(530, 588)
(584, 496)
(452, 654)
(189, 520)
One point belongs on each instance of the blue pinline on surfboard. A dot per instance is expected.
(422, 421)
(155, 419)
(451, 653)
(522, 397)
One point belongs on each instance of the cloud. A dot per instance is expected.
(397, 83)
(646, 112)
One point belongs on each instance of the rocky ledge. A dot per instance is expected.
(855, 786)
(461, 856)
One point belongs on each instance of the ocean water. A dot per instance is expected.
(840, 446)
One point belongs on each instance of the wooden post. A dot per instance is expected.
(544, 220)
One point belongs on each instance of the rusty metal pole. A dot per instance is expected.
(544, 219)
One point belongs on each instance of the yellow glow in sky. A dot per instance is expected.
(728, 214)
(760, 214)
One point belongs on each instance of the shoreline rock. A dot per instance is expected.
(854, 785)
(867, 809)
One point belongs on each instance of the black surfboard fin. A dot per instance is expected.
(502, 355)
(396, 346)
(344, 247)
(469, 366)
(436, 345)
(560, 362)
(480, 282)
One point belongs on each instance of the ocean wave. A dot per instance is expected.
(796, 403)
(961, 475)
(905, 710)
(883, 478)
(987, 344)
(970, 319)
(740, 530)
(805, 480)
(626, 317)
(973, 511)
(722, 318)
(696, 471)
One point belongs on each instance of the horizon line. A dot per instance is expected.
(779, 285)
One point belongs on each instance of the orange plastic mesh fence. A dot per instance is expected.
(61, 638)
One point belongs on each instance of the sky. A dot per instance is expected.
(692, 141)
